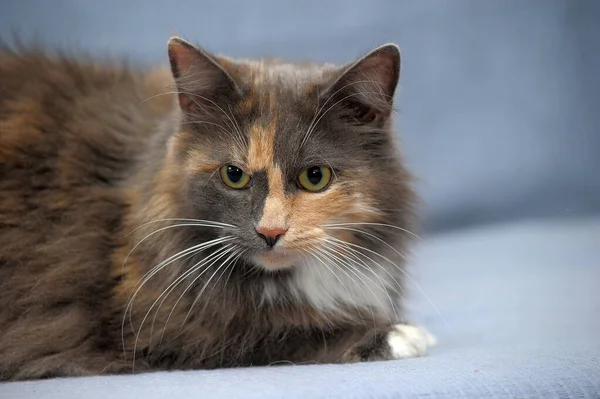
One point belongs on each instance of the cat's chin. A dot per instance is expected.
(275, 259)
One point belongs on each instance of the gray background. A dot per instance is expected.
(499, 101)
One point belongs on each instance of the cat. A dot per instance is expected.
(218, 213)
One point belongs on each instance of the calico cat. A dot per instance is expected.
(222, 213)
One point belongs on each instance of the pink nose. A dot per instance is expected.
(270, 235)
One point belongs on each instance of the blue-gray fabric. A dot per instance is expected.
(518, 316)
(498, 102)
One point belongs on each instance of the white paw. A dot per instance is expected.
(409, 341)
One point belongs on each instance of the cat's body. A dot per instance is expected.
(106, 176)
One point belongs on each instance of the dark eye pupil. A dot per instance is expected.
(234, 173)
(314, 175)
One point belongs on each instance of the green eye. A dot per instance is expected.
(234, 177)
(315, 179)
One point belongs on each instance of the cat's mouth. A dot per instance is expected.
(276, 258)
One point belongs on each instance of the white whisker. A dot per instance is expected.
(402, 271)
(212, 258)
(381, 285)
(325, 252)
(372, 236)
(234, 135)
(371, 224)
(233, 263)
(225, 262)
(333, 273)
(163, 229)
(137, 335)
(354, 253)
(234, 126)
(313, 124)
(231, 119)
(211, 222)
(152, 272)
(332, 107)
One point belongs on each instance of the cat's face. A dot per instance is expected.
(295, 159)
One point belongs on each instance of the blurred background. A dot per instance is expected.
(499, 104)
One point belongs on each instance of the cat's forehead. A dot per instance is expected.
(281, 74)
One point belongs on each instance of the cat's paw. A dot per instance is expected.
(408, 340)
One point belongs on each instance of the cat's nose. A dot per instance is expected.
(270, 235)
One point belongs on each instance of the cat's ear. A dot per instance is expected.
(366, 87)
(200, 80)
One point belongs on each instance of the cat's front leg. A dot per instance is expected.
(346, 345)
(401, 341)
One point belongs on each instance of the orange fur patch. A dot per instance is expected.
(303, 213)
(277, 205)
(247, 104)
(260, 151)
(260, 157)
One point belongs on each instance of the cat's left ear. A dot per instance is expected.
(201, 81)
(367, 86)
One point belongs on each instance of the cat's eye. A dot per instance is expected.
(315, 179)
(234, 177)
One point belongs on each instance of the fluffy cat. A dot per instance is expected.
(224, 213)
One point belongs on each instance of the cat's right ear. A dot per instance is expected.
(366, 87)
(201, 82)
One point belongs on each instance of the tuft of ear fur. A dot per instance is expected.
(367, 86)
(200, 80)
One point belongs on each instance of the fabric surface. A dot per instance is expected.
(497, 103)
(519, 316)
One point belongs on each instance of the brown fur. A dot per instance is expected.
(92, 150)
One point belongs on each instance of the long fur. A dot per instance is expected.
(123, 251)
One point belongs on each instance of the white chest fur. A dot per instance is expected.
(331, 286)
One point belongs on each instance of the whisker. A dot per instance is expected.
(152, 272)
(212, 258)
(225, 262)
(331, 257)
(233, 135)
(342, 257)
(210, 222)
(158, 95)
(163, 229)
(372, 236)
(402, 271)
(313, 124)
(233, 263)
(148, 314)
(343, 285)
(230, 266)
(236, 125)
(314, 255)
(156, 269)
(354, 252)
(371, 224)
(189, 251)
(332, 107)
(215, 256)
(233, 125)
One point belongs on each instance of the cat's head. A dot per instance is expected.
(292, 159)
